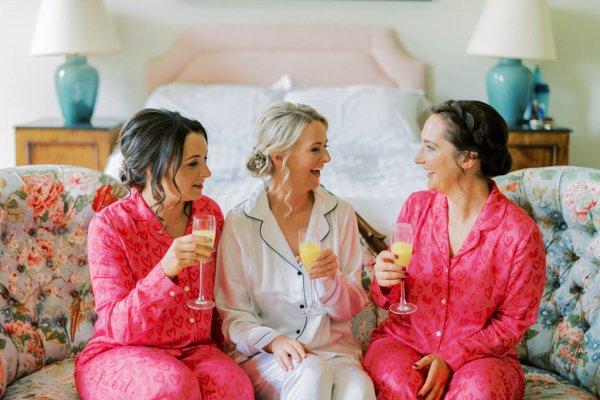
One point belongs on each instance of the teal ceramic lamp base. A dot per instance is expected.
(509, 87)
(76, 86)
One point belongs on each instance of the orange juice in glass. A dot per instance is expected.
(309, 248)
(203, 225)
(401, 240)
(205, 233)
(403, 251)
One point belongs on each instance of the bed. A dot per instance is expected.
(370, 91)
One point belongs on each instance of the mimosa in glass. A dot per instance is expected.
(310, 248)
(401, 240)
(206, 226)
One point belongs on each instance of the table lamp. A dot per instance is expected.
(75, 28)
(512, 30)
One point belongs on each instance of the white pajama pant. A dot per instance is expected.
(315, 378)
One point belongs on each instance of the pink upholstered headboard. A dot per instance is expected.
(308, 55)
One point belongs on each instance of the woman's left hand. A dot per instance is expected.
(325, 266)
(438, 376)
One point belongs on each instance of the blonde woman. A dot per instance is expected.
(262, 289)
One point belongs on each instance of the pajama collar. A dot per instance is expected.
(257, 207)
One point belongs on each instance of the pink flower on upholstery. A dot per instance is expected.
(565, 331)
(59, 218)
(580, 198)
(18, 329)
(539, 379)
(46, 246)
(35, 260)
(79, 182)
(566, 353)
(42, 191)
(103, 198)
(78, 236)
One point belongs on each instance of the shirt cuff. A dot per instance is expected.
(390, 295)
(327, 293)
(161, 284)
(265, 339)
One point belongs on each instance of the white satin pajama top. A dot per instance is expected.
(261, 291)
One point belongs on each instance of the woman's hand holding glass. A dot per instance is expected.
(186, 251)
(387, 272)
(401, 243)
(204, 229)
(325, 266)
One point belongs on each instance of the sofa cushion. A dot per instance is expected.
(46, 303)
(53, 382)
(544, 385)
(565, 203)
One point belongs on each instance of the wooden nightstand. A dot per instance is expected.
(531, 148)
(48, 141)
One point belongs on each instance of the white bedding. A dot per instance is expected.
(373, 137)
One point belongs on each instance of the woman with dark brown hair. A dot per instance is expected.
(476, 275)
(147, 343)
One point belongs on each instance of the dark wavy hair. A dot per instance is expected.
(477, 130)
(152, 140)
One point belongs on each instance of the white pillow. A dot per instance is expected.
(228, 112)
(221, 108)
(363, 112)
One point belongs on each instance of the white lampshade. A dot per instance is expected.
(518, 29)
(74, 27)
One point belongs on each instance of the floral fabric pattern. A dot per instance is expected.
(53, 382)
(565, 339)
(46, 303)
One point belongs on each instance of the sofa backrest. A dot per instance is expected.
(565, 203)
(46, 302)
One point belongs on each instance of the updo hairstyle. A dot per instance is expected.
(277, 130)
(476, 127)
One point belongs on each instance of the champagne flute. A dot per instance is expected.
(203, 225)
(310, 248)
(401, 240)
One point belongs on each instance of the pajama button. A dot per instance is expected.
(298, 331)
(443, 301)
(192, 320)
(171, 293)
(438, 334)
(187, 288)
(299, 273)
(301, 305)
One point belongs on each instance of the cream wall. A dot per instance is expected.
(436, 32)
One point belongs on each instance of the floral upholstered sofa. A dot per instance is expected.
(47, 304)
(561, 352)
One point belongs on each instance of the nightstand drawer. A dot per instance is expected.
(46, 142)
(537, 148)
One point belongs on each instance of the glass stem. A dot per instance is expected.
(402, 295)
(201, 298)
(313, 292)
